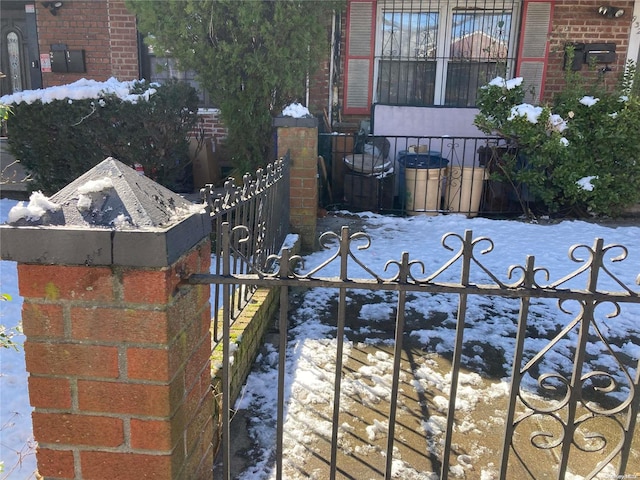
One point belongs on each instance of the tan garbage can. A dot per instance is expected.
(424, 190)
(464, 189)
(421, 181)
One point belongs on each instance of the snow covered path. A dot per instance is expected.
(425, 377)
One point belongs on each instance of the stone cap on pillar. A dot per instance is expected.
(305, 122)
(111, 215)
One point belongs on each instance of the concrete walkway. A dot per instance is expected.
(421, 420)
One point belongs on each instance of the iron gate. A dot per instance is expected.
(575, 415)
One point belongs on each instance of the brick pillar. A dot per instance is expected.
(300, 136)
(118, 352)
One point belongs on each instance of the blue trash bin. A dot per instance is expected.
(421, 176)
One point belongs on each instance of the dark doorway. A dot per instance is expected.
(19, 54)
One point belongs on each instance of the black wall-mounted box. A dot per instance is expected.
(599, 53)
(58, 58)
(578, 56)
(75, 61)
(66, 61)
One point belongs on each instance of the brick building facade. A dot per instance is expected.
(553, 24)
(578, 21)
(104, 35)
(106, 32)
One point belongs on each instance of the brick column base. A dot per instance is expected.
(119, 370)
(300, 137)
(117, 350)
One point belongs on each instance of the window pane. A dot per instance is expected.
(407, 68)
(478, 52)
(15, 67)
(480, 36)
(440, 52)
(160, 69)
(165, 68)
(409, 35)
(465, 78)
(407, 83)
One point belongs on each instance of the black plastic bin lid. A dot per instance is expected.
(429, 159)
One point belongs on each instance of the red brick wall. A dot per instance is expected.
(124, 41)
(578, 21)
(320, 82)
(319, 85)
(210, 124)
(103, 29)
(302, 142)
(119, 369)
(107, 32)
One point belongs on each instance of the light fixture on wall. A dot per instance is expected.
(53, 7)
(610, 12)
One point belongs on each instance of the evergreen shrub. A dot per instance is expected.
(61, 132)
(253, 58)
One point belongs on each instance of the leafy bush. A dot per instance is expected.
(61, 132)
(6, 336)
(579, 156)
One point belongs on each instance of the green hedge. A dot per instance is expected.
(59, 139)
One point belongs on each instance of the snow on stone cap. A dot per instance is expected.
(94, 186)
(296, 110)
(111, 195)
(38, 207)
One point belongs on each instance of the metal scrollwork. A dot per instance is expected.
(529, 272)
(343, 252)
(404, 269)
(240, 234)
(232, 194)
(466, 253)
(547, 440)
(594, 264)
(562, 407)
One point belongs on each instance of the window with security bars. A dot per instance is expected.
(437, 52)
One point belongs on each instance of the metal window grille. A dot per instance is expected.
(438, 52)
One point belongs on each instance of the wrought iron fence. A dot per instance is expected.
(564, 396)
(420, 175)
(262, 204)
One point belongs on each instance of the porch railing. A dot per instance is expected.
(416, 175)
(260, 204)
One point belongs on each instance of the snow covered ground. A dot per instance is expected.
(17, 450)
(312, 344)
(425, 378)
